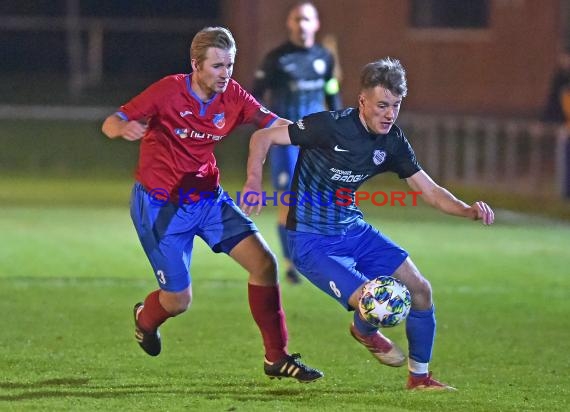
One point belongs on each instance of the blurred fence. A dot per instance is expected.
(525, 157)
(85, 38)
(521, 157)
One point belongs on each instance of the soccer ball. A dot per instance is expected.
(384, 302)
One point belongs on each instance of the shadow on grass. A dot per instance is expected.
(80, 388)
(47, 382)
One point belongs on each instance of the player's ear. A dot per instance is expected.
(361, 100)
(194, 64)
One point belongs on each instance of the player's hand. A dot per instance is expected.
(252, 198)
(133, 130)
(482, 211)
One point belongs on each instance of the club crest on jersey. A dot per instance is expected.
(320, 66)
(378, 157)
(182, 133)
(219, 120)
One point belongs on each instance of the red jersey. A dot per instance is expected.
(177, 150)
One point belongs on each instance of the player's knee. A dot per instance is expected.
(177, 303)
(421, 294)
(182, 306)
(267, 268)
(269, 265)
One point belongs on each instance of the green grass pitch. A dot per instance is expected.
(71, 268)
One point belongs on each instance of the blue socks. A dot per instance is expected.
(420, 330)
(284, 244)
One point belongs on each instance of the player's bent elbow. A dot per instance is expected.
(111, 128)
(106, 129)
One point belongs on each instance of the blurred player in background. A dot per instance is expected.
(557, 108)
(295, 79)
(330, 242)
(177, 195)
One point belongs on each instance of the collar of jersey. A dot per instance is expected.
(359, 124)
(203, 105)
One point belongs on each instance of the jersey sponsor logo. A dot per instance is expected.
(300, 124)
(219, 120)
(193, 134)
(185, 113)
(290, 67)
(378, 157)
(320, 66)
(306, 85)
(346, 176)
(337, 148)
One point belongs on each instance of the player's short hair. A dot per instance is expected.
(388, 73)
(300, 3)
(216, 37)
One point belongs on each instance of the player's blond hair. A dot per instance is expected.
(216, 37)
(388, 73)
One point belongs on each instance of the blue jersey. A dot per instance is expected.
(292, 81)
(337, 155)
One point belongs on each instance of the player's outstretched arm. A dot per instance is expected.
(259, 145)
(114, 127)
(442, 199)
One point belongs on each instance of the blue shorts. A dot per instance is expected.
(167, 231)
(340, 264)
(282, 160)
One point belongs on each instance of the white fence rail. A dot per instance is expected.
(526, 157)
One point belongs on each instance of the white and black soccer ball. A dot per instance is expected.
(385, 302)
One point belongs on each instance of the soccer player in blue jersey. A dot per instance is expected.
(295, 79)
(179, 120)
(330, 242)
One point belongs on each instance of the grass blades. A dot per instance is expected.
(70, 272)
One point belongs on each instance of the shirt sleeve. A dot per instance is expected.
(333, 100)
(313, 130)
(332, 87)
(405, 163)
(252, 111)
(147, 103)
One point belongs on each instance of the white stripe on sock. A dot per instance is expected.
(418, 367)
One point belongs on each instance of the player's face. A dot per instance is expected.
(379, 109)
(214, 73)
(303, 24)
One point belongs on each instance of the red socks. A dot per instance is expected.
(153, 314)
(265, 306)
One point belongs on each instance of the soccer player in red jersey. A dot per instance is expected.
(177, 194)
